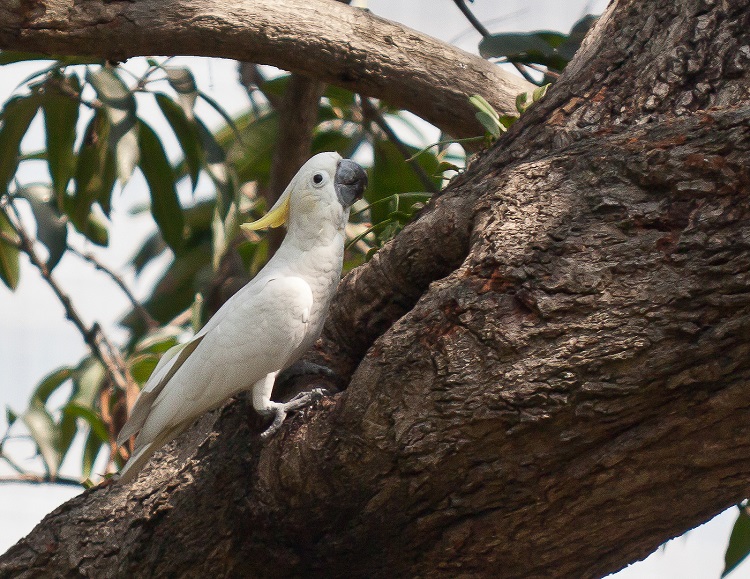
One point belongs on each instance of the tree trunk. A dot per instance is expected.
(540, 369)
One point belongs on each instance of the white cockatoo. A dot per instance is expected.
(266, 326)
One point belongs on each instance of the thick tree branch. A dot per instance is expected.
(570, 362)
(329, 41)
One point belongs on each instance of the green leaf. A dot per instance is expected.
(739, 542)
(448, 166)
(95, 173)
(120, 106)
(182, 81)
(165, 206)
(479, 103)
(88, 380)
(539, 93)
(276, 87)
(10, 266)
(51, 227)
(12, 56)
(491, 124)
(160, 340)
(344, 143)
(89, 416)
(175, 291)
(391, 174)
(95, 230)
(218, 169)
(186, 132)
(91, 449)
(45, 433)
(532, 47)
(152, 248)
(60, 119)
(223, 113)
(10, 416)
(142, 366)
(506, 121)
(339, 97)
(50, 383)
(521, 100)
(16, 117)
(253, 156)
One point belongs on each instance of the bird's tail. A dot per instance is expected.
(137, 461)
(140, 456)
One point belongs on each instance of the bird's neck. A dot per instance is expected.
(313, 247)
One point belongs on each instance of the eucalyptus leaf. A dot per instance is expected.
(181, 79)
(95, 173)
(222, 112)
(165, 206)
(186, 132)
(91, 449)
(45, 434)
(60, 119)
(218, 169)
(151, 248)
(491, 124)
(88, 381)
(93, 420)
(50, 383)
(10, 416)
(16, 117)
(739, 542)
(481, 104)
(392, 174)
(142, 366)
(120, 106)
(10, 266)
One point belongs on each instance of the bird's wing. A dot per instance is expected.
(255, 333)
(170, 362)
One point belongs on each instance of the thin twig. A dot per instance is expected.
(543, 69)
(5, 238)
(38, 480)
(94, 337)
(471, 18)
(9, 461)
(150, 322)
(372, 112)
(486, 33)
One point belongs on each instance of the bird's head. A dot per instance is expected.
(324, 180)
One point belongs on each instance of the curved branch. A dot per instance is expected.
(328, 41)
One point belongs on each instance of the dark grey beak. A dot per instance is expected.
(350, 182)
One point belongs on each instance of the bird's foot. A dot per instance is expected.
(280, 409)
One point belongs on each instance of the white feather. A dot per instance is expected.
(262, 329)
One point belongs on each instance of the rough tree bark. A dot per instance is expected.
(540, 369)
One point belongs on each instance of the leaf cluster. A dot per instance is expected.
(96, 138)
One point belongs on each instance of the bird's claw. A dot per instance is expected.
(298, 402)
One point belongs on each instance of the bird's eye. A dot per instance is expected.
(319, 179)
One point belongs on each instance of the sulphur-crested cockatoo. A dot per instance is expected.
(263, 328)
